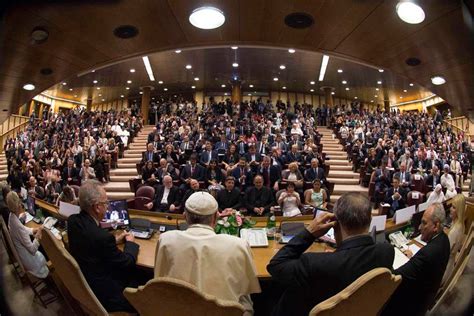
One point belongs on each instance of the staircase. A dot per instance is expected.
(118, 188)
(3, 167)
(340, 172)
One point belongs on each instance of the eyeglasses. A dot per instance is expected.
(106, 203)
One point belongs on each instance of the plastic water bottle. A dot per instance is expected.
(271, 226)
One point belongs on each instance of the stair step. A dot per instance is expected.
(124, 172)
(340, 168)
(120, 195)
(334, 198)
(347, 181)
(132, 155)
(120, 178)
(117, 187)
(129, 160)
(339, 162)
(340, 189)
(3, 176)
(343, 174)
(126, 165)
(135, 151)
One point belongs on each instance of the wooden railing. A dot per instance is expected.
(11, 127)
(460, 124)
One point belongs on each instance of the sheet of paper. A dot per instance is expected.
(255, 237)
(378, 222)
(28, 217)
(23, 193)
(405, 214)
(423, 206)
(399, 259)
(67, 209)
(413, 248)
(418, 239)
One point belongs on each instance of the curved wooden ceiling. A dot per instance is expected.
(81, 38)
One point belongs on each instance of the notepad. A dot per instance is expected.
(256, 237)
(399, 259)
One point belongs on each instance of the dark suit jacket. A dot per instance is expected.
(104, 266)
(145, 158)
(198, 174)
(401, 203)
(174, 197)
(421, 278)
(312, 277)
(204, 158)
(429, 180)
(274, 176)
(226, 199)
(74, 174)
(236, 173)
(310, 175)
(258, 198)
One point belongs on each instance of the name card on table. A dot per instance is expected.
(378, 222)
(67, 209)
(404, 215)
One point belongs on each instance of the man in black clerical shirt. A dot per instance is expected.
(258, 199)
(310, 278)
(229, 198)
(422, 275)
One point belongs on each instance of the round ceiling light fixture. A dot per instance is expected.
(284, 88)
(275, 79)
(340, 71)
(207, 18)
(95, 81)
(160, 82)
(251, 86)
(165, 89)
(282, 67)
(39, 35)
(347, 89)
(193, 87)
(381, 70)
(438, 80)
(222, 85)
(178, 51)
(125, 31)
(234, 47)
(311, 90)
(411, 84)
(344, 82)
(132, 70)
(299, 20)
(333, 93)
(410, 12)
(29, 87)
(189, 66)
(196, 79)
(235, 65)
(291, 50)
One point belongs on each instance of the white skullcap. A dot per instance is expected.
(446, 166)
(201, 203)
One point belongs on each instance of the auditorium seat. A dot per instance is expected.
(145, 191)
(412, 201)
(178, 298)
(358, 298)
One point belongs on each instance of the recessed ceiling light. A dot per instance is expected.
(234, 47)
(193, 87)
(401, 97)
(189, 66)
(75, 95)
(312, 90)
(312, 82)
(291, 51)
(377, 89)
(379, 82)
(381, 70)
(282, 67)
(235, 65)
(100, 94)
(251, 85)
(126, 31)
(160, 82)
(127, 88)
(376, 96)
(39, 35)
(129, 81)
(122, 96)
(196, 79)
(340, 71)
(165, 89)
(284, 88)
(103, 100)
(64, 83)
(29, 87)
(178, 51)
(355, 98)
(347, 89)
(207, 18)
(249, 94)
(222, 85)
(98, 88)
(70, 89)
(93, 70)
(438, 80)
(333, 93)
(225, 93)
(410, 12)
(149, 70)
(344, 82)
(141, 92)
(275, 79)
(371, 101)
(95, 81)
(411, 84)
(405, 91)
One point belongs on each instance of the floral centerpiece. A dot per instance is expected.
(231, 222)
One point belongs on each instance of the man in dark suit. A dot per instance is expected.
(150, 154)
(422, 275)
(253, 158)
(106, 269)
(167, 197)
(271, 174)
(314, 172)
(229, 198)
(242, 174)
(70, 174)
(396, 196)
(434, 178)
(164, 169)
(310, 278)
(192, 171)
(280, 143)
(258, 199)
(207, 155)
(403, 175)
(294, 155)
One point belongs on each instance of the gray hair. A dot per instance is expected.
(13, 202)
(439, 214)
(192, 218)
(353, 211)
(89, 194)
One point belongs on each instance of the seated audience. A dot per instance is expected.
(27, 248)
(67, 195)
(422, 274)
(229, 198)
(314, 172)
(70, 173)
(34, 189)
(148, 172)
(447, 182)
(293, 175)
(107, 270)
(270, 173)
(437, 195)
(167, 197)
(205, 259)
(258, 198)
(396, 196)
(289, 201)
(214, 177)
(356, 254)
(242, 174)
(87, 172)
(316, 197)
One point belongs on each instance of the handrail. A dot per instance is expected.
(12, 132)
(454, 123)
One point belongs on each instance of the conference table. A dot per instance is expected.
(261, 255)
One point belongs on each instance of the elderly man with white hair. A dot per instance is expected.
(422, 274)
(447, 182)
(219, 265)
